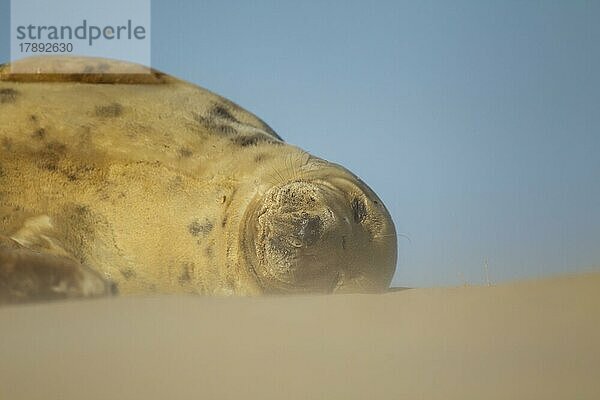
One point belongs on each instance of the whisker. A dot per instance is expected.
(392, 235)
(289, 167)
(404, 236)
(281, 179)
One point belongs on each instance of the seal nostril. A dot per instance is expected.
(310, 229)
(331, 214)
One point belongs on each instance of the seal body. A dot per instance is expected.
(158, 185)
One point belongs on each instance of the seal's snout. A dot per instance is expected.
(309, 229)
(321, 235)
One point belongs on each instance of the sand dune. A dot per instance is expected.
(528, 340)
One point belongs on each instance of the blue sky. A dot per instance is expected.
(477, 122)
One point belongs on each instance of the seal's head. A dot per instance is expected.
(323, 231)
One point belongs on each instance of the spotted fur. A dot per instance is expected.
(143, 181)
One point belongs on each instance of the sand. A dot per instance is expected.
(528, 340)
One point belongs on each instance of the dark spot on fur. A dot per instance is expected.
(359, 210)
(197, 228)
(50, 155)
(186, 272)
(208, 252)
(219, 118)
(8, 95)
(76, 172)
(128, 272)
(344, 242)
(39, 134)
(224, 222)
(246, 141)
(211, 124)
(33, 118)
(184, 152)
(219, 111)
(109, 110)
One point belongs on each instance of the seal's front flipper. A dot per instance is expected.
(30, 276)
